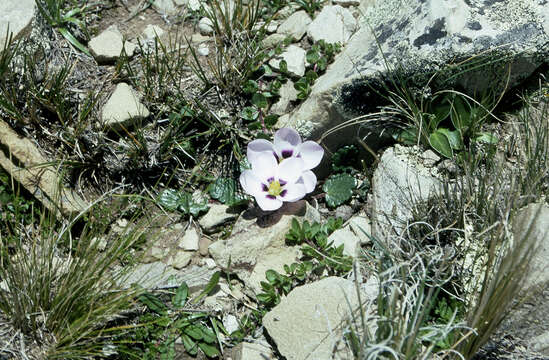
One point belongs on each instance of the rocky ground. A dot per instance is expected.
(143, 75)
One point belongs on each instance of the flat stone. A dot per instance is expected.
(158, 275)
(287, 94)
(217, 215)
(271, 259)
(334, 24)
(419, 38)
(362, 227)
(230, 322)
(253, 351)
(190, 240)
(152, 31)
(203, 245)
(107, 46)
(295, 25)
(181, 259)
(347, 238)
(295, 59)
(123, 108)
(205, 26)
(199, 38)
(306, 323)
(273, 40)
(17, 16)
(399, 181)
(256, 233)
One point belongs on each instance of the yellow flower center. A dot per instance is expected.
(274, 188)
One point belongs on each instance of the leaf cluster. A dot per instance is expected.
(182, 201)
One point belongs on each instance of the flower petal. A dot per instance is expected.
(251, 183)
(267, 203)
(287, 135)
(308, 179)
(264, 165)
(258, 146)
(293, 192)
(311, 153)
(290, 169)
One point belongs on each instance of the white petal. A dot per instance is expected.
(308, 179)
(311, 153)
(293, 192)
(251, 183)
(264, 165)
(290, 169)
(287, 135)
(258, 146)
(266, 203)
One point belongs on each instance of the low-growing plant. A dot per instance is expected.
(182, 201)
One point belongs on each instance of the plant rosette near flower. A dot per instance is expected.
(281, 171)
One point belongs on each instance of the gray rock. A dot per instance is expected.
(255, 234)
(152, 31)
(165, 7)
(230, 322)
(294, 57)
(205, 26)
(123, 108)
(17, 16)
(158, 275)
(189, 241)
(346, 237)
(334, 24)
(399, 181)
(194, 5)
(107, 46)
(203, 50)
(361, 226)
(217, 215)
(253, 351)
(271, 258)
(273, 40)
(533, 222)
(287, 94)
(203, 246)
(344, 212)
(419, 37)
(307, 323)
(295, 25)
(180, 259)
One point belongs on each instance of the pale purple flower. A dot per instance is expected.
(286, 145)
(271, 183)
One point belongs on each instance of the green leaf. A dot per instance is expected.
(169, 199)
(338, 188)
(209, 286)
(181, 295)
(311, 76)
(454, 137)
(283, 66)
(312, 56)
(249, 113)
(441, 144)
(250, 87)
(208, 335)
(74, 42)
(188, 205)
(194, 331)
(209, 350)
(259, 100)
(225, 190)
(487, 138)
(271, 276)
(153, 303)
(189, 344)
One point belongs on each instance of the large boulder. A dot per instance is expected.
(418, 38)
(16, 17)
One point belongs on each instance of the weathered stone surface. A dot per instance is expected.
(152, 31)
(307, 324)
(420, 37)
(203, 50)
(158, 275)
(217, 215)
(26, 165)
(107, 46)
(205, 25)
(180, 259)
(399, 181)
(287, 94)
(253, 351)
(532, 223)
(271, 258)
(123, 108)
(334, 24)
(361, 226)
(295, 59)
(17, 16)
(257, 233)
(190, 239)
(347, 238)
(273, 40)
(295, 25)
(165, 7)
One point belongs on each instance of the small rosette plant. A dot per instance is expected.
(281, 170)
